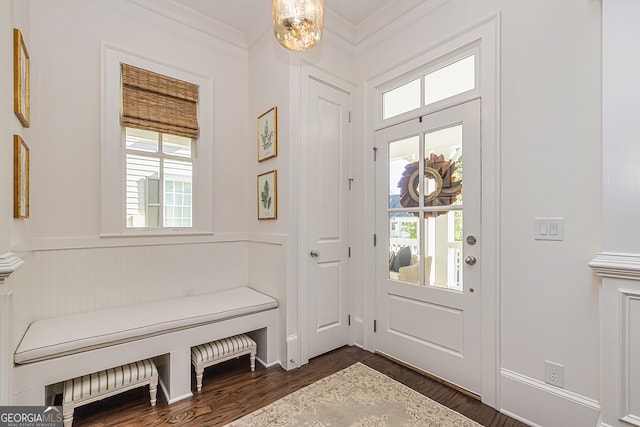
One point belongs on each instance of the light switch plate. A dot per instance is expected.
(548, 229)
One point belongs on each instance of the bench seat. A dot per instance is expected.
(61, 336)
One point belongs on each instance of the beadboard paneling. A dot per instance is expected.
(77, 280)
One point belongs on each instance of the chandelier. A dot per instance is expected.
(297, 24)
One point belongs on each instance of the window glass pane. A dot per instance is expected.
(401, 99)
(178, 209)
(443, 248)
(404, 247)
(142, 140)
(443, 167)
(176, 145)
(403, 162)
(143, 198)
(450, 80)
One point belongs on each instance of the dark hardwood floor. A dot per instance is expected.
(231, 390)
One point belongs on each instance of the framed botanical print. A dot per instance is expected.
(268, 134)
(21, 85)
(268, 195)
(20, 178)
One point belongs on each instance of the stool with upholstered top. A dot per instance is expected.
(97, 386)
(205, 355)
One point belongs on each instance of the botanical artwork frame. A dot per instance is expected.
(267, 195)
(268, 134)
(21, 79)
(21, 180)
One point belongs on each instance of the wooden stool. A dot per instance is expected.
(97, 386)
(205, 355)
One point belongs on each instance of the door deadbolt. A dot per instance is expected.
(471, 240)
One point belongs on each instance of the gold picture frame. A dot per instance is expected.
(21, 85)
(267, 195)
(21, 181)
(268, 134)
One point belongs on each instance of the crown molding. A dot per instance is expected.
(194, 20)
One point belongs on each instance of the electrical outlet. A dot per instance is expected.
(554, 374)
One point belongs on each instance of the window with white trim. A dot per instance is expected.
(157, 162)
(438, 81)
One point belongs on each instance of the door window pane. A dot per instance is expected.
(401, 99)
(403, 163)
(404, 247)
(443, 246)
(450, 80)
(443, 167)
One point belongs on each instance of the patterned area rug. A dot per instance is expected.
(357, 396)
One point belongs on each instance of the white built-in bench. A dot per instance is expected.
(57, 349)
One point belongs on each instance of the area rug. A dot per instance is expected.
(357, 396)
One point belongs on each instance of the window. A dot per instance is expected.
(445, 80)
(159, 173)
(157, 156)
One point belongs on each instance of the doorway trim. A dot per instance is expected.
(486, 34)
(297, 344)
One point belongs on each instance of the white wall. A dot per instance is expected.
(75, 269)
(550, 166)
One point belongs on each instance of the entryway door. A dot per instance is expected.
(328, 217)
(428, 256)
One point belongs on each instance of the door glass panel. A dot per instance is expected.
(443, 167)
(403, 161)
(443, 207)
(443, 248)
(404, 247)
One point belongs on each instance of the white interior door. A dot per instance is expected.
(328, 217)
(428, 297)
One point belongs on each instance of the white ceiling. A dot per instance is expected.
(252, 17)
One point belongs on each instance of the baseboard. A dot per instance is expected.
(539, 404)
(166, 393)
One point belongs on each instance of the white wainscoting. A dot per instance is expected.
(554, 407)
(84, 279)
(620, 338)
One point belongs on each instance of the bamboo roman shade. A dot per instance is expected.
(159, 103)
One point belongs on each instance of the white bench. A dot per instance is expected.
(211, 353)
(57, 349)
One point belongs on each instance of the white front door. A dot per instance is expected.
(428, 293)
(328, 218)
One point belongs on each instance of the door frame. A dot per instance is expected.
(298, 343)
(487, 36)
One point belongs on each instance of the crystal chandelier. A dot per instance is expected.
(297, 24)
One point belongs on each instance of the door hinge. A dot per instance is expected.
(375, 153)
(349, 320)
(350, 180)
(349, 116)
(349, 251)
(375, 325)
(420, 119)
(375, 239)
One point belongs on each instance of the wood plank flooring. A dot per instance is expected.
(230, 390)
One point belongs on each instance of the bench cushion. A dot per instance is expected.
(59, 336)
